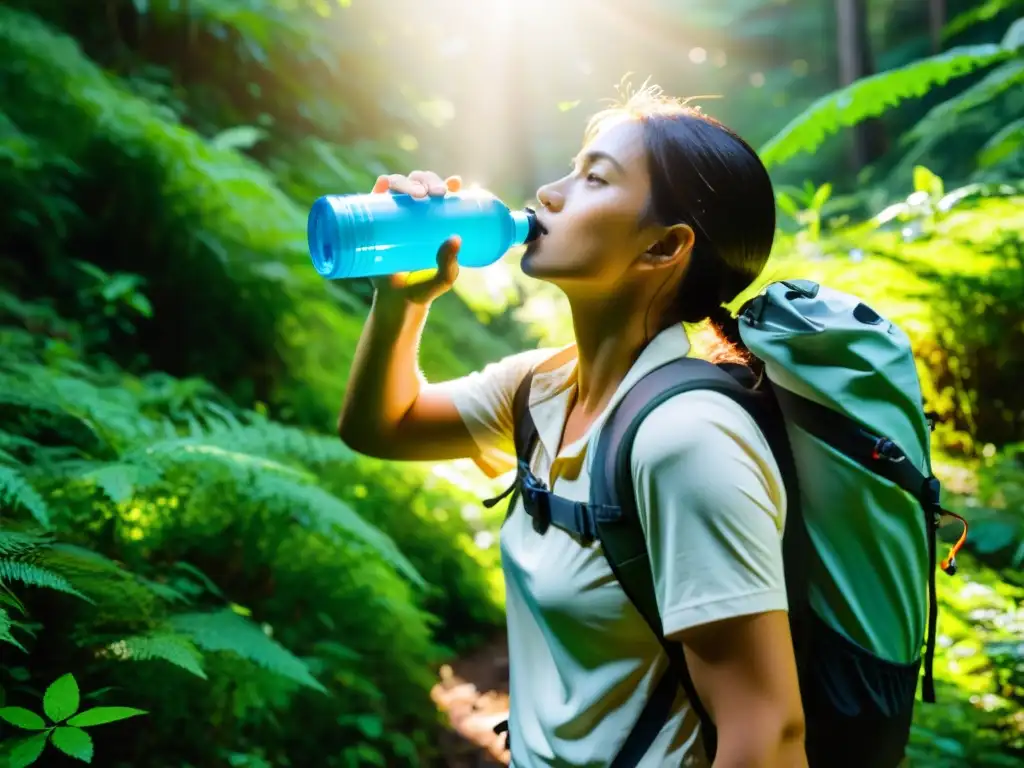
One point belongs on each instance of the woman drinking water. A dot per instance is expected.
(665, 216)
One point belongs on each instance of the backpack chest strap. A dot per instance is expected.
(578, 518)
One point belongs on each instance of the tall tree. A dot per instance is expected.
(853, 48)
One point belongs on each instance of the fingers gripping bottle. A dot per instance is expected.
(365, 235)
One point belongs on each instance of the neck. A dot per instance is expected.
(610, 335)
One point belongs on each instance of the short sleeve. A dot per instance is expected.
(484, 400)
(712, 503)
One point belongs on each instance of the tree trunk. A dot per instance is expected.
(936, 21)
(853, 47)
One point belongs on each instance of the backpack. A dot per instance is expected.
(840, 404)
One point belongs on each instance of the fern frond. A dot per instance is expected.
(15, 489)
(941, 118)
(282, 442)
(16, 544)
(36, 576)
(166, 646)
(164, 592)
(871, 96)
(119, 481)
(106, 582)
(184, 451)
(976, 15)
(226, 631)
(5, 630)
(12, 442)
(319, 510)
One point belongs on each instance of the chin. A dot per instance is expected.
(535, 264)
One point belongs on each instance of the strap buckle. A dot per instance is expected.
(537, 501)
(887, 449)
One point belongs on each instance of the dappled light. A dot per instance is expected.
(184, 539)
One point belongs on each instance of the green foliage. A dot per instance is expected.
(60, 703)
(872, 96)
(949, 269)
(985, 11)
(197, 541)
(178, 523)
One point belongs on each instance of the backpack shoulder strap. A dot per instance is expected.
(623, 541)
(524, 436)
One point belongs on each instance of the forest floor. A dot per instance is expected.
(473, 694)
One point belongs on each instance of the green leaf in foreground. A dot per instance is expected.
(61, 698)
(23, 752)
(20, 717)
(73, 742)
(103, 715)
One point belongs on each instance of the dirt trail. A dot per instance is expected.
(473, 694)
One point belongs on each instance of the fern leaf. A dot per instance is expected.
(17, 544)
(980, 13)
(119, 480)
(163, 591)
(871, 96)
(37, 576)
(236, 463)
(265, 438)
(15, 489)
(317, 509)
(226, 631)
(941, 118)
(1003, 145)
(5, 630)
(166, 646)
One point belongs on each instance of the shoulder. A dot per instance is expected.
(508, 372)
(695, 420)
(704, 440)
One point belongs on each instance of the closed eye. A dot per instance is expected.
(593, 178)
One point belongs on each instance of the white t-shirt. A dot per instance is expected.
(710, 497)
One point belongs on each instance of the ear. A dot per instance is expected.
(673, 247)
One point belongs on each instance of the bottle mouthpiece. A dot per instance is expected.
(526, 227)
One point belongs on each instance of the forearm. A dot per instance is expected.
(384, 381)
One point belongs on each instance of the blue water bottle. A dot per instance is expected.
(363, 235)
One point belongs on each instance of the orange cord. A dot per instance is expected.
(949, 564)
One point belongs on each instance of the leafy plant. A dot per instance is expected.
(65, 730)
(875, 95)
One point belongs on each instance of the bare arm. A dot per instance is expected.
(389, 411)
(745, 675)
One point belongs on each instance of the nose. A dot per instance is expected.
(549, 196)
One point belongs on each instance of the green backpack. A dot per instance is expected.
(840, 403)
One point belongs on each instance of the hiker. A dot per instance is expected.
(665, 216)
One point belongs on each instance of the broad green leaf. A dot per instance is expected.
(787, 204)
(926, 181)
(61, 699)
(1014, 37)
(104, 715)
(239, 137)
(1003, 145)
(73, 742)
(24, 752)
(22, 718)
(821, 196)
